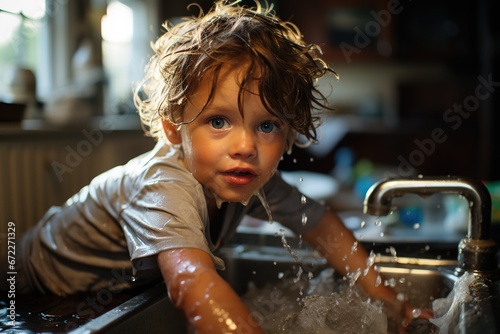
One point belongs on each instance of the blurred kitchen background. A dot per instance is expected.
(417, 94)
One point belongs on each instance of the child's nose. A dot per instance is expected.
(243, 144)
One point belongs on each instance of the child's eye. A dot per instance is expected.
(269, 126)
(218, 122)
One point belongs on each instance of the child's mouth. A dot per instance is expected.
(239, 176)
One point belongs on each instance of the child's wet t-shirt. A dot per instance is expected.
(114, 227)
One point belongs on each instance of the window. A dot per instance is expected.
(21, 23)
(57, 39)
(117, 29)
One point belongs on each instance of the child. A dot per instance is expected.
(225, 95)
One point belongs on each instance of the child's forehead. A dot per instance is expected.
(229, 88)
(240, 76)
(238, 70)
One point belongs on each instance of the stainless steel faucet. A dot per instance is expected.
(477, 251)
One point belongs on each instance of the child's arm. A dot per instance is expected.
(335, 242)
(205, 298)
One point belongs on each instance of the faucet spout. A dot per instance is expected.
(477, 251)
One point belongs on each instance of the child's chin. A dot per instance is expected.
(237, 198)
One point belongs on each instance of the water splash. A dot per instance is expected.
(393, 253)
(446, 310)
(354, 247)
(298, 276)
(369, 263)
(353, 277)
(287, 246)
(322, 310)
(262, 197)
(293, 255)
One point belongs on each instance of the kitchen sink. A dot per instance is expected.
(420, 281)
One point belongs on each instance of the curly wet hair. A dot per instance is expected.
(286, 67)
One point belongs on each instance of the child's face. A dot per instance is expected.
(230, 155)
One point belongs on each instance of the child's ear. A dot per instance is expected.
(171, 132)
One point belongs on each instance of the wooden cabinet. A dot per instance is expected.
(42, 168)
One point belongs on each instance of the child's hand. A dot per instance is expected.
(410, 313)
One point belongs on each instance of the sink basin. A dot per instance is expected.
(419, 280)
(263, 271)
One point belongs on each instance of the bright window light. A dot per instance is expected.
(117, 25)
(34, 9)
(9, 25)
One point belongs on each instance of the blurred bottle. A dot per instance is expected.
(343, 169)
(457, 213)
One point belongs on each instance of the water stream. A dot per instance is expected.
(323, 304)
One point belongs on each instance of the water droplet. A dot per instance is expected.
(427, 247)
(353, 277)
(401, 297)
(303, 199)
(416, 226)
(281, 275)
(299, 274)
(363, 224)
(378, 281)
(311, 159)
(378, 222)
(382, 234)
(133, 278)
(369, 262)
(304, 219)
(354, 247)
(416, 313)
(294, 161)
(392, 251)
(301, 179)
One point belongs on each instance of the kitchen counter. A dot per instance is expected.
(109, 123)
